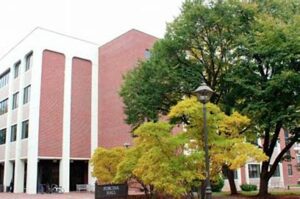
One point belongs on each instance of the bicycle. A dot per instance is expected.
(57, 189)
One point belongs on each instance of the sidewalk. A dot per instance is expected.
(73, 195)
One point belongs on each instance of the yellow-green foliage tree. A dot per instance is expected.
(173, 163)
(227, 143)
(105, 162)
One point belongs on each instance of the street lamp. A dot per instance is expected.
(203, 94)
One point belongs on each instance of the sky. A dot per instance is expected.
(98, 21)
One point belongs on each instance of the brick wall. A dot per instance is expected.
(115, 59)
(51, 107)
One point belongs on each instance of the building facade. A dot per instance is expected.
(287, 172)
(47, 125)
(51, 86)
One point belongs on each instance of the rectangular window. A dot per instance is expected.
(4, 78)
(15, 100)
(3, 107)
(277, 171)
(2, 136)
(17, 69)
(26, 96)
(13, 133)
(298, 159)
(254, 170)
(25, 129)
(290, 170)
(28, 61)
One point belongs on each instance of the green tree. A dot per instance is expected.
(247, 52)
(265, 82)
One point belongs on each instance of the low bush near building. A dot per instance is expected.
(217, 185)
(248, 187)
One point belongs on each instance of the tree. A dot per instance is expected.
(247, 52)
(200, 43)
(105, 162)
(265, 83)
(173, 164)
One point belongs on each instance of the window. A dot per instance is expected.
(3, 107)
(28, 61)
(286, 137)
(147, 54)
(254, 170)
(290, 170)
(2, 136)
(13, 133)
(17, 69)
(25, 129)
(26, 96)
(15, 100)
(276, 172)
(298, 159)
(4, 78)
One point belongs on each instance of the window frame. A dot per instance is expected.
(17, 69)
(28, 61)
(15, 100)
(26, 94)
(251, 170)
(25, 129)
(13, 132)
(3, 138)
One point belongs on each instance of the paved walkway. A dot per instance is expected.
(74, 195)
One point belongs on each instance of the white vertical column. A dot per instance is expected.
(94, 111)
(64, 166)
(8, 165)
(34, 115)
(19, 164)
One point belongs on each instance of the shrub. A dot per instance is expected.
(217, 185)
(248, 187)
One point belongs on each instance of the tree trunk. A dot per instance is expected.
(264, 180)
(230, 176)
(202, 189)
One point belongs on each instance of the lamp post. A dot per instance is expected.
(203, 94)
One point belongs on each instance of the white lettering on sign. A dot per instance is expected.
(111, 188)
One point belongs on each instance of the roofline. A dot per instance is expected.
(133, 29)
(46, 30)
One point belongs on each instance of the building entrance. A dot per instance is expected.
(48, 172)
(78, 173)
(1, 173)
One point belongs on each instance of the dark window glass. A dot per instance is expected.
(290, 170)
(25, 129)
(254, 170)
(2, 136)
(28, 61)
(17, 69)
(26, 95)
(13, 133)
(15, 100)
(3, 106)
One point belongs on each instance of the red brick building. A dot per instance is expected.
(115, 59)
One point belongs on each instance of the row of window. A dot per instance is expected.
(254, 171)
(13, 132)
(15, 98)
(4, 77)
(28, 63)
